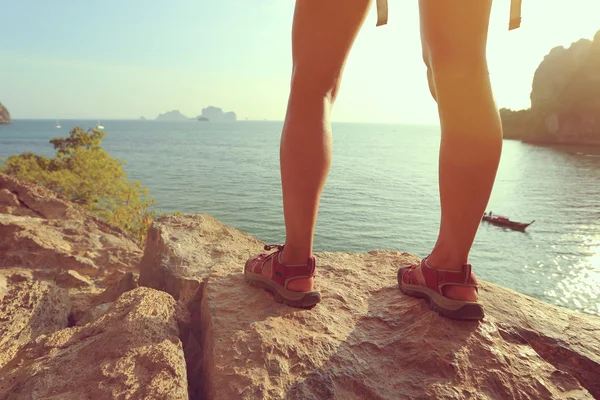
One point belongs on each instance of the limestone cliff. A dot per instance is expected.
(74, 324)
(565, 98)
(216, 114)
(174, 115)
(4, 115)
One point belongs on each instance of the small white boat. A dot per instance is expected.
(99, 126)
(57, 124)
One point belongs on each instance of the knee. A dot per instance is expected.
(452, 62)
(314, 82)
(430, 80)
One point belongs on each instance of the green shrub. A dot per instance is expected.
(87, 175)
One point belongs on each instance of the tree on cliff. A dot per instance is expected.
(87, 175)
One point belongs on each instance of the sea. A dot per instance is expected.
(381, 193)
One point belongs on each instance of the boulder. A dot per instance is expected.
(70, 244)
(30, 309)
(131, 352)
(39, 230)
(181, 253)
(365, 339)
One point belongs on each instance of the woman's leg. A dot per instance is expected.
(454, 36)
(322, 35)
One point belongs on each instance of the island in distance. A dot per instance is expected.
(4, 115)
(209, 113)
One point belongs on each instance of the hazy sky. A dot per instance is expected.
(123, 59)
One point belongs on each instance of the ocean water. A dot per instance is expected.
(381, 193)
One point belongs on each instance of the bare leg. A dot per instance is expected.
(322, 36)
(454, 36)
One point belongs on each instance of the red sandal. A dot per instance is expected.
(435, 280)
(281, 276)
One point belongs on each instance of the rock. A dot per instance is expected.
(116, 289)
(9, 202)
(4, 115)
(35, 200)
(132, 352)
(81, 303)
(20, 276)
(11, 276)
(365, 340)
(72, 279)
(3, 286)
(40, 230)
(29, 310)
(94, 313)
(565, 98)
(180, 254)
(89, 305)
(74, 244)
(114, 277)
(182, 250)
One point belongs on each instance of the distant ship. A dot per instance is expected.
(57, 124)
(202, 119)
(99, 126)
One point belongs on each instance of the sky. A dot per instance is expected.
(125, 59)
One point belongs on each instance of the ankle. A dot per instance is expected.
(293, 256)
(448, 261)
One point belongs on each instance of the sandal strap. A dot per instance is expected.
(408, 274)
(437, 279)
(284, 274)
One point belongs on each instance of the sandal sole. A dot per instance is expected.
(289, 297)
(455, 309)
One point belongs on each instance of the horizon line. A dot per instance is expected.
(219, 122)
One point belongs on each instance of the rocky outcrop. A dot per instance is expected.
(565, 98)
(72, 323)
(57, 262)
(197, 330)
(132, 352)
(365, 340)
(4, 115)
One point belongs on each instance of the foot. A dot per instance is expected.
(438, 285)
(452, 292)
(297, 285)
(269, 272)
